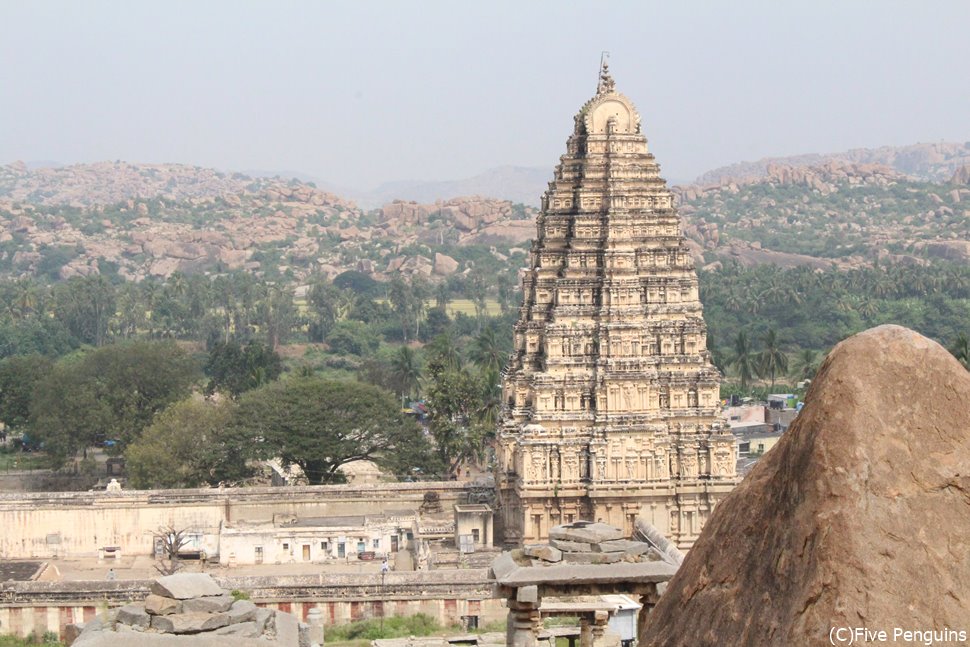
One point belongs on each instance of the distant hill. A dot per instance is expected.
(935, 162)
(520, 184)
(152, 220)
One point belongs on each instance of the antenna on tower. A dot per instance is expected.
(604, 80)
(604, 66)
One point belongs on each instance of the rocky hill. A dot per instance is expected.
(932, 162)
(140, 220)
(838, 213)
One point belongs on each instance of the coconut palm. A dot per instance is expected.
(487, 352)
(805, 365)
(744, 359)
(406, 372)
(772, 360)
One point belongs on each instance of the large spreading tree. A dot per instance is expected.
(322, 424)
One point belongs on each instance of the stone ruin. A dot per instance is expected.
(192, 610)
(581, 559)
(858, 518)
(584, 542)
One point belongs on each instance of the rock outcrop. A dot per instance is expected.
(192, 610)
(858, 517)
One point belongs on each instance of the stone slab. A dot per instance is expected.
(625, 546)
(247, 629)
(571, 546)
(591, 533)
(592, 558)
(183, 586)
(209, 604)
(134, 615)
(544, 552)
(189, 623)
(158, 605)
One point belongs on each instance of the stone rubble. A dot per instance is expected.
(602, 544)
(191, 609)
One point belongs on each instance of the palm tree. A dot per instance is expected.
(744, 359)
(443, 347)
(406, 372)
(806, 364)
(772, 360)
(487, 352)
(961, 349)
(868, 308)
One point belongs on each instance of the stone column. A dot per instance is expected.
(601, 634)
(585, 631)
(523, 623)
(647, 601)
(314, 620)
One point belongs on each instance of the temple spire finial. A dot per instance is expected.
(605, 83)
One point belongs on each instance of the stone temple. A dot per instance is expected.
(610, 399)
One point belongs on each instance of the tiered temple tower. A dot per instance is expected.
(610, 399)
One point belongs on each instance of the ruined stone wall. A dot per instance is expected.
(37, 607)
(78, 524)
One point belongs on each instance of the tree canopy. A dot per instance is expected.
(322, 424)
(108, 393)
(187, 445)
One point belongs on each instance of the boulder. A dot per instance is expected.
(444, 265)
(183, 586)
(858, 517)
(242, 611)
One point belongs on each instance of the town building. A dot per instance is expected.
(610, 399)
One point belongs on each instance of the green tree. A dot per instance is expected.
(806, 364)
(18, 377)
(322, 424)
(352, 338)
(406, 372)
(744, 360)
(458, 415)
(771, 360)
(108, 393)
(188, 445)
(85, 305)
(487, 351)
(961, 349)
(234, 369)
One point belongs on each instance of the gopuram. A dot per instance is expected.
(610, 399)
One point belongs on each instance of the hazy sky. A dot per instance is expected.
(359, 93)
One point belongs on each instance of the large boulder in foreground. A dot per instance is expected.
(858, 517)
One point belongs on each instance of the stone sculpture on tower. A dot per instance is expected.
(610, 399)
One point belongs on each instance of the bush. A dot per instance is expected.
(393, 627)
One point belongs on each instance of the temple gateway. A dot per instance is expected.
(610, 399)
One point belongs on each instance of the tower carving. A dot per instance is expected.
(610, 399)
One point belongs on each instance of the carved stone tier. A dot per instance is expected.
(610, 398)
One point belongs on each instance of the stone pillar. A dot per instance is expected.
(585, 631)
(602, 636)
(523, 623)
(647, 601)
(314, 620)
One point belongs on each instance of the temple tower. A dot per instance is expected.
(610, 399)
